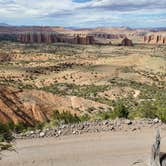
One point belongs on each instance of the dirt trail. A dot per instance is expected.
(100, 149)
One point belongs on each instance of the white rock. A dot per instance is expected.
(42, 134)
(59, 132)
(74, 132)
(31, 132)
(156, 120)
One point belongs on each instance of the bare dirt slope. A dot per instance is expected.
(101, 149)
(30, 106)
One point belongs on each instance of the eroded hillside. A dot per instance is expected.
(37, 79)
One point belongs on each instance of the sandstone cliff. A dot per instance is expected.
(54, 38)
(108, 35)
(155, 38)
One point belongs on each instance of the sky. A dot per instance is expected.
(84, 13)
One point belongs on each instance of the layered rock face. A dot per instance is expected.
(155, 39)
(31, 106)
(54, 38)
(126, 42)
(109, 36)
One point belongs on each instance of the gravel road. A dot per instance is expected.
(97, 149)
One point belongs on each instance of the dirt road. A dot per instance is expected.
(100, 149)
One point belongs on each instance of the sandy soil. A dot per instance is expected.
(100, 149)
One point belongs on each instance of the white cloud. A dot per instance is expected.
(67, 12)
(34, 8)
(22, 8)
(122, 5)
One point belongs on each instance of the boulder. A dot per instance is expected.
(126, 42)
(42, 134)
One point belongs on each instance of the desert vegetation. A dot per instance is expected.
(130, 81)
(61, 89)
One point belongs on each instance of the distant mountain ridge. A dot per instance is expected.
(4, 24)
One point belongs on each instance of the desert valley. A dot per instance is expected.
(81, 97)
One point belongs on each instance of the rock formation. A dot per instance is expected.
(41, 34)
(155, 39)
(108, 35)
(126, 42)
(155, 153)
(156, 157)
(54, 37)
(31, 106)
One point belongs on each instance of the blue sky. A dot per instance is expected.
(84, 13)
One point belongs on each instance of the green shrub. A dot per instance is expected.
(20, 127)
(120, 110)
(151, 109)
(147, 110)
(65, 117)
(5, 133)
(39, 126)
(84, 118)
(102, 116)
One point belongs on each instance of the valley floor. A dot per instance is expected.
(98, 149)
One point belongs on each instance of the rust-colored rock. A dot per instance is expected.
(53, 37)
(126, 42)
(31, 106)
(108, 35)
(155, 38)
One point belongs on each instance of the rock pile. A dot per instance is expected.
(92, 127)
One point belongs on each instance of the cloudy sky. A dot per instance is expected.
(84, 13)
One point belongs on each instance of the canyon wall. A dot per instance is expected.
(54, 38)
(37, 34)
(108, 35)
(155, 39)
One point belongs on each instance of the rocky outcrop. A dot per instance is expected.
(155, 151)
(31, 106)
(108, 35)
(155, 39)
(102, 41)
(126, 42)
(54, 38)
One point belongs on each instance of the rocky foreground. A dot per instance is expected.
(116, 125)
(120, 142)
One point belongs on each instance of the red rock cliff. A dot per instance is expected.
(53, 38)
(155, 39)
